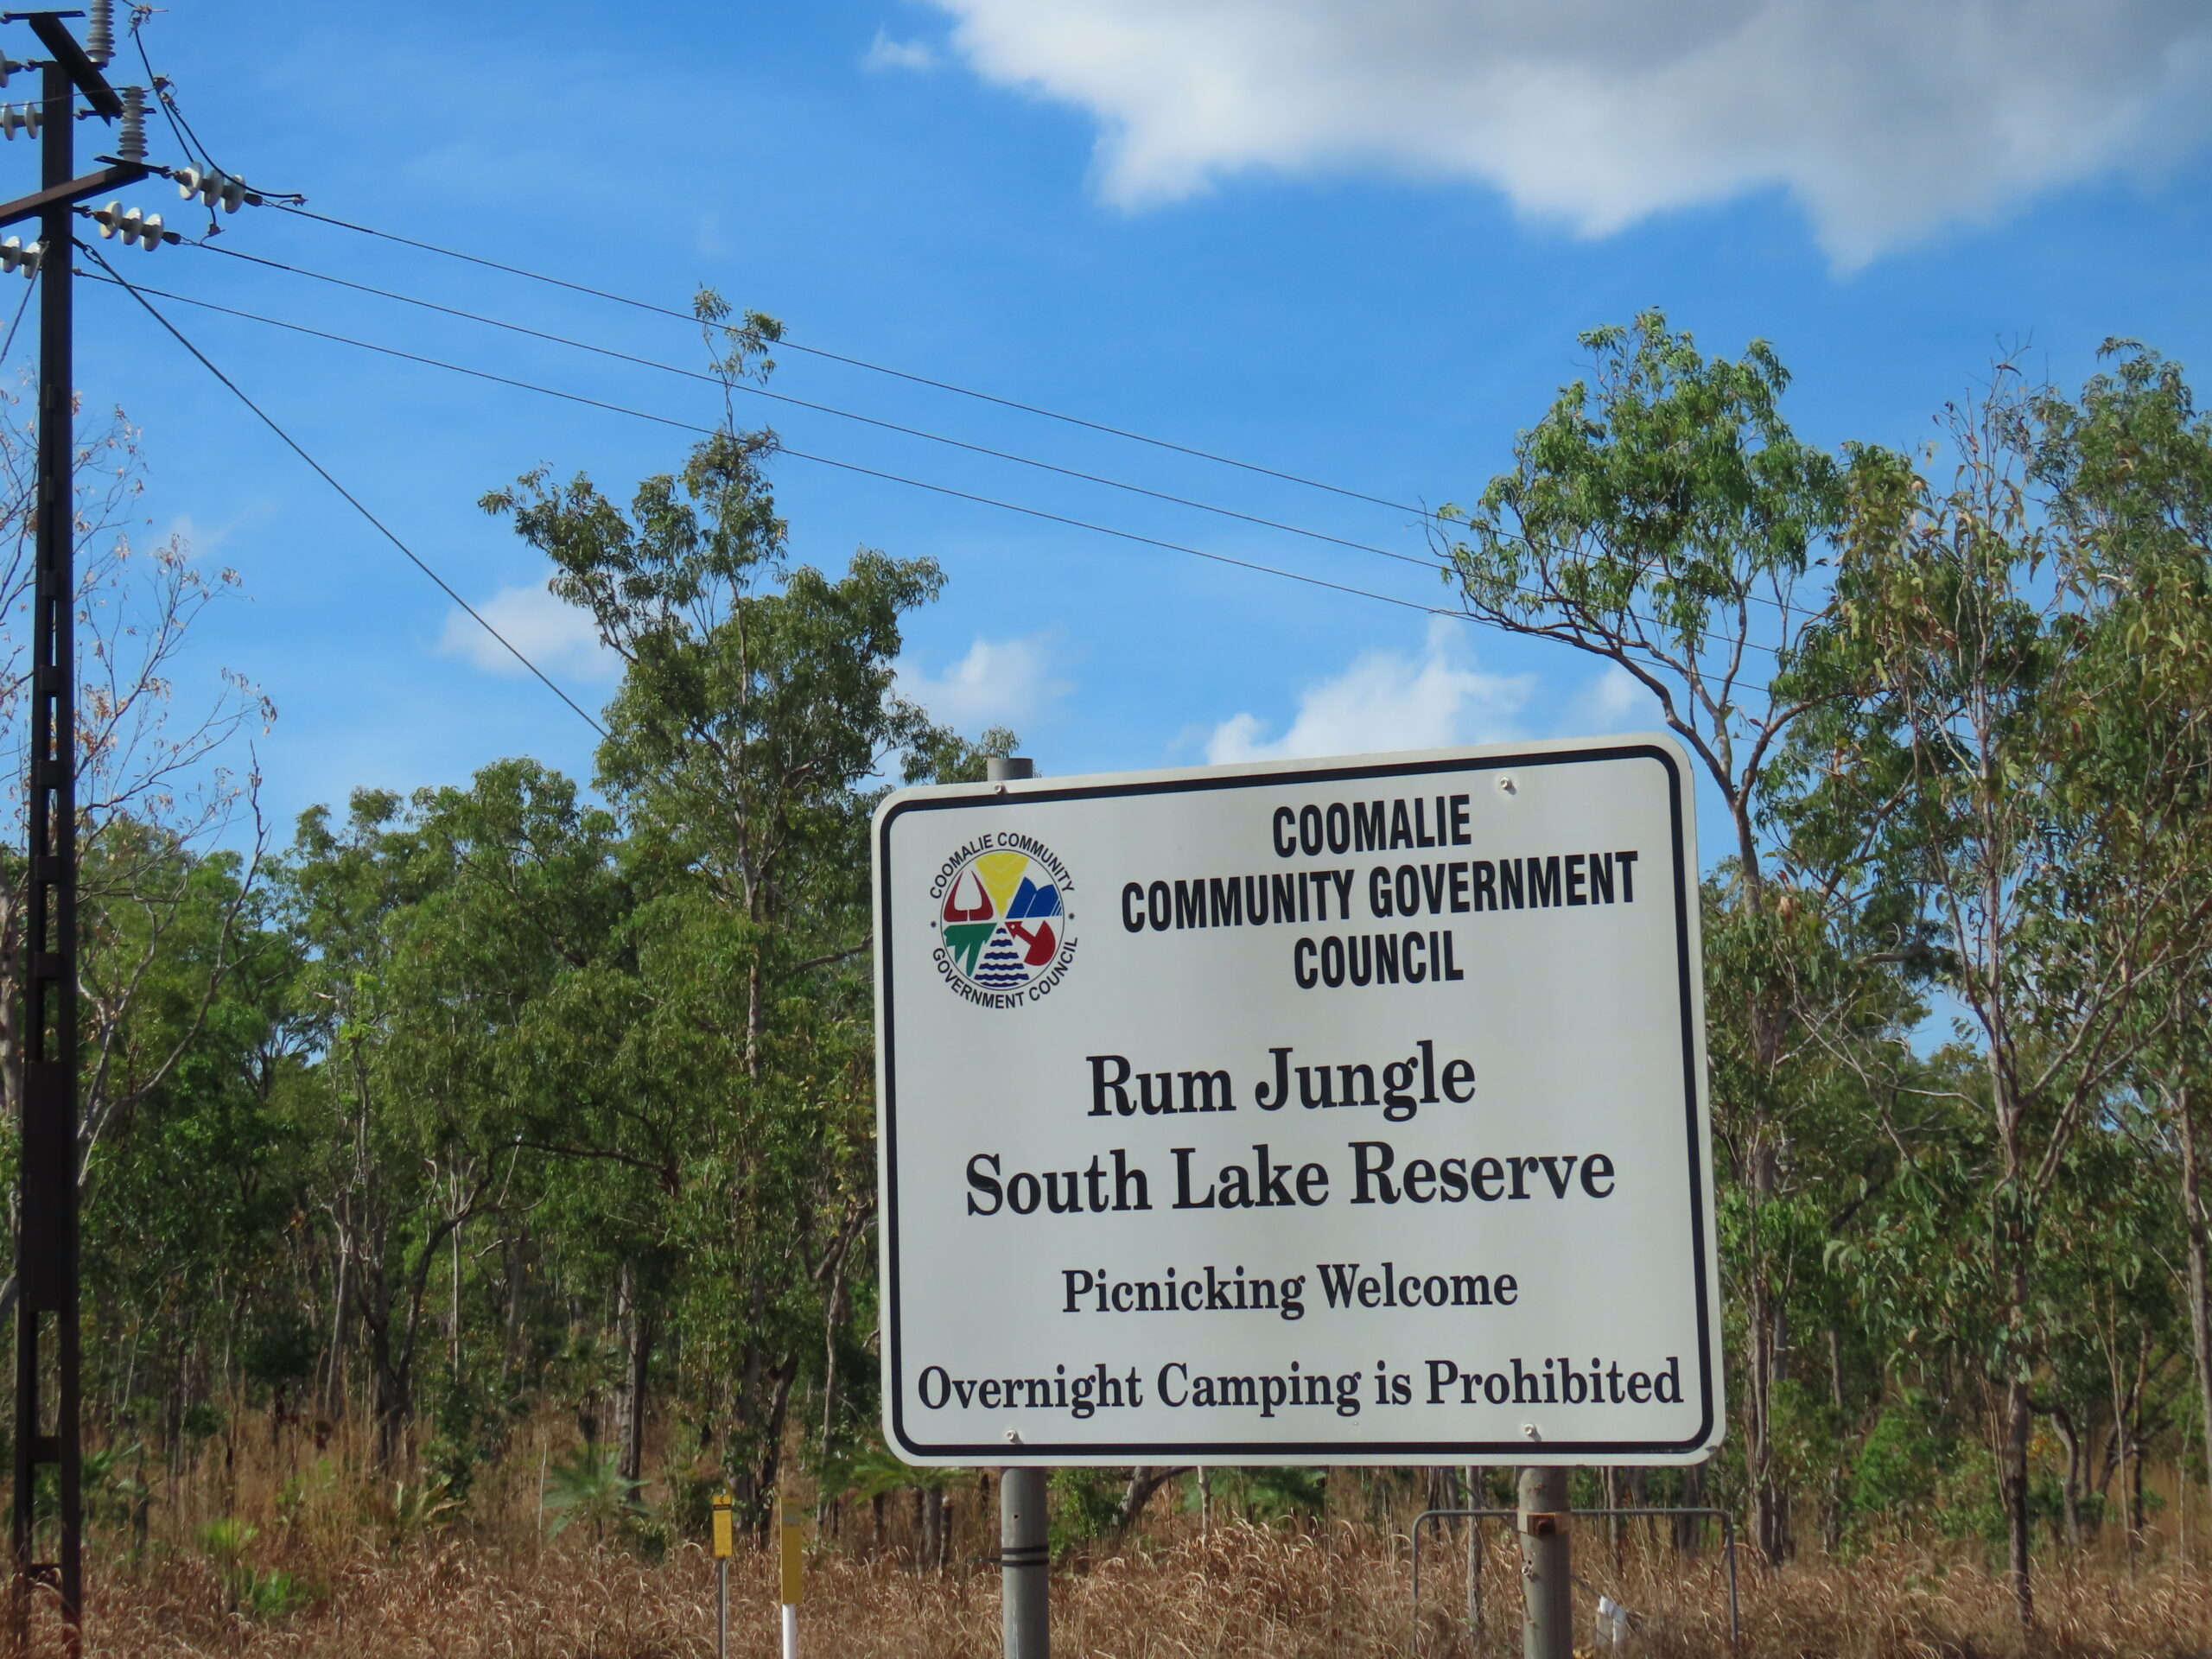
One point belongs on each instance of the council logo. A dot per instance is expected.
(1002, 920)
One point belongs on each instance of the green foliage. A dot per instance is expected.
(588, 1486)
(536, 1093)
(1086, 1503)
(415, 1510)
(255, 1593)
(1273, 1494)
(1901, 1459)
(471, 1433)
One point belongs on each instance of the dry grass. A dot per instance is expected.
(1242, 1590)
(495, 1588)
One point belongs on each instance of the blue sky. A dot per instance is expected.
(1352, 242)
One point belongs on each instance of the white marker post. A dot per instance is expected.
(1343, 1111)
(790, 1557)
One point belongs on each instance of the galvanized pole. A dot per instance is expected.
(1024, 1565)
(1547, 1587)
(1471, 1498)
(1025, 1556)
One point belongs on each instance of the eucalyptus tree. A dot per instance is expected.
(748, 741)
(192, 1282)
(1665, 519)
(1985, 649)
(434, 929)
(2128, 469)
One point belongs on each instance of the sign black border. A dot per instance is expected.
(1156, 1452)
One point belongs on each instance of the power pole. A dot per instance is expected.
(46, 1426)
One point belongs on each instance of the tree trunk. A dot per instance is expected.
(333, 1378)
(1689, 1528)
(2012, 1479)
(2070, 1493)
(929, 1558)
(511, 1347)
(1472, 1499)
(1143, 1483)
(2200, 1270)
(635, 1325)
(2009, 1239)
(1765, 1336)
(1613, 1523)
(390, 1378)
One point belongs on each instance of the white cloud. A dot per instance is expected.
(1386, 700)
(202, 539)
(558, 637)
(1004, 682)
(884, 53)
(1612, 701)
(1882, 118)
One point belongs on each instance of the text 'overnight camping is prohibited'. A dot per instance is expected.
(1342, 1111)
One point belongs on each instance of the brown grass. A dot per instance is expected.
(1242, 1590)
(495, 1587)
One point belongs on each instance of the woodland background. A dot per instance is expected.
(477, 1173)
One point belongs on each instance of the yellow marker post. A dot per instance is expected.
(794, 1545)
(725, 1542)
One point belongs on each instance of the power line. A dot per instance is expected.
(160, 88)
(16, 321)
(818, 459)
(164, 90)
(873, 368)
(296, 204)
(1436, 566)
(827, 408)
(352, 500)
(1783, 606)
(797, 454)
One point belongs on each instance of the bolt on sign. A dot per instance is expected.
(1338, 1111)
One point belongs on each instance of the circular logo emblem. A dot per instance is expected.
(1002, 920)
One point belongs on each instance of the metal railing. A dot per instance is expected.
(1477, 1516)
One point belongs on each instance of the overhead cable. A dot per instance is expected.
(785, 343)
(788, 343)
(1429, 563)
(321, 471)
(823, 461)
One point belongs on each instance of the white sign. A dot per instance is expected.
(1343, 1111)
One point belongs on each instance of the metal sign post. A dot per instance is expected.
(1024, 1546)
(1546, 1575)
(1024, 1565)
(1475, 1517)
(725, 1541)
